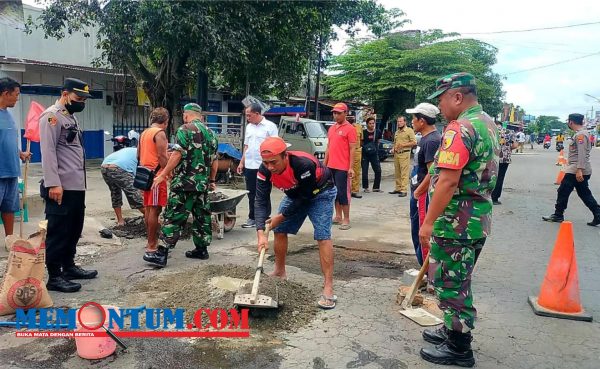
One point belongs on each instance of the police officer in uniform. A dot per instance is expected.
(577, 173)
(63, 186)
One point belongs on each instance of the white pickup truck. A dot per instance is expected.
(303, 134)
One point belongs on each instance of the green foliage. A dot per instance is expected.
(546, 123)
(164, 43)
(408, 63)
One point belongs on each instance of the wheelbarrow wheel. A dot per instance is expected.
(228, 223)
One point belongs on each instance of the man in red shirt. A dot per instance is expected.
(338, 158)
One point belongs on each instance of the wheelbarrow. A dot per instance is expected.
(223, 211)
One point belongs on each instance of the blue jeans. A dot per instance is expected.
(319, 210)
(414, 222)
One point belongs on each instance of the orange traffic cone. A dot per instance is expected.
(561, 159)
(559, 293)
(560, 176)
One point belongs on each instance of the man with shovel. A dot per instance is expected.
(309, 191)
(459, 216)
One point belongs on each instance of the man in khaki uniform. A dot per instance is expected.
(357, 161)
(404, 141)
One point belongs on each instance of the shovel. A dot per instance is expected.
(254, 299)
(418, 315)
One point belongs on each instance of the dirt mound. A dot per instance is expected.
(135, 228)
(195, 288)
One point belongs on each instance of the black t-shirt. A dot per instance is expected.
(426, 150)
(302, 180)
(368, 137)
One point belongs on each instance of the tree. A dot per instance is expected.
(163, 43)
(399, 69)
(545, 124)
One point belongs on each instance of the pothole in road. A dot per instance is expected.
(351, 264)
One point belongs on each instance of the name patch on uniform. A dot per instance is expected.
(305, 175)
(449, 157)
(449, 138)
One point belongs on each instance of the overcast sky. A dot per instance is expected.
(557, 90)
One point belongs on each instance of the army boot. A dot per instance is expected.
(596, 220)
(456, 350)
(436, 336)
(198, 253)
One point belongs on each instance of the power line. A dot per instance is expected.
(531, 29)
(552, 64)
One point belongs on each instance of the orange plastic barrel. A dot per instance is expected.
(94, 347)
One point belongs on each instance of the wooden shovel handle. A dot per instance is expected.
(259, 269)
(413, 289)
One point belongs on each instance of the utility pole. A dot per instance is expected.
(318, 81)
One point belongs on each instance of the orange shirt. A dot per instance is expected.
(340, 137)
(147, 148)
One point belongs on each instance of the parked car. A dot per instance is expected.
(386, 149)
(306, 135)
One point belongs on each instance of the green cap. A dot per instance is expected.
(454, 80)
(192, 107)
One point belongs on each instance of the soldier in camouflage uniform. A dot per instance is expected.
(507, 145)
(459, 217)
(195, 168)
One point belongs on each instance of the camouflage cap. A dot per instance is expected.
(453, 80)
(192, 107)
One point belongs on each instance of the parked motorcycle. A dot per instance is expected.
(120, 141)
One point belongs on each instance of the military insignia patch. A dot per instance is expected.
(580, 140)
(449, 138)
(52, 120)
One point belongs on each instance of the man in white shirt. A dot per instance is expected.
(520, 140)
(257, 130)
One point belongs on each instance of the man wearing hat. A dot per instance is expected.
(309, 191)
(339, 158)
(193, 165)
(459, 217)
(577, 173)
(64, 185)
(423, 122)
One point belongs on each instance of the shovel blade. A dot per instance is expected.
(262, 301)
(421, 316)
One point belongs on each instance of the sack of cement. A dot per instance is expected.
(23, 284)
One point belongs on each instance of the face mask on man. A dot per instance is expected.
(75, 106)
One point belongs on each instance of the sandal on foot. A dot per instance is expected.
(327, 303)
(345, 227)
(336, 221)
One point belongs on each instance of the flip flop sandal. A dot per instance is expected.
(337, 221)
(345, 227)
(377, 190)
(366, 190)
(329, 302)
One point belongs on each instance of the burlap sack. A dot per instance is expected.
(23, 283)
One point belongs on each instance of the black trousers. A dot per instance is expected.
(583, 191)
(502, 168)
(250, 176)
(65, 224)
(376, 165)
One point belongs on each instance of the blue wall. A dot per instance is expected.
(93, 142)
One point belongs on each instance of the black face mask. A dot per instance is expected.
(75, 107)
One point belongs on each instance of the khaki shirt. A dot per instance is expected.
(404, 136)
(359, 136)
(63, 162)
(580, 147)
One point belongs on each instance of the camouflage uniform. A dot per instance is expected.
(189, 185)
(471, 144)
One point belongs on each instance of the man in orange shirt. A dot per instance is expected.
(339, 157)
(152, 154)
